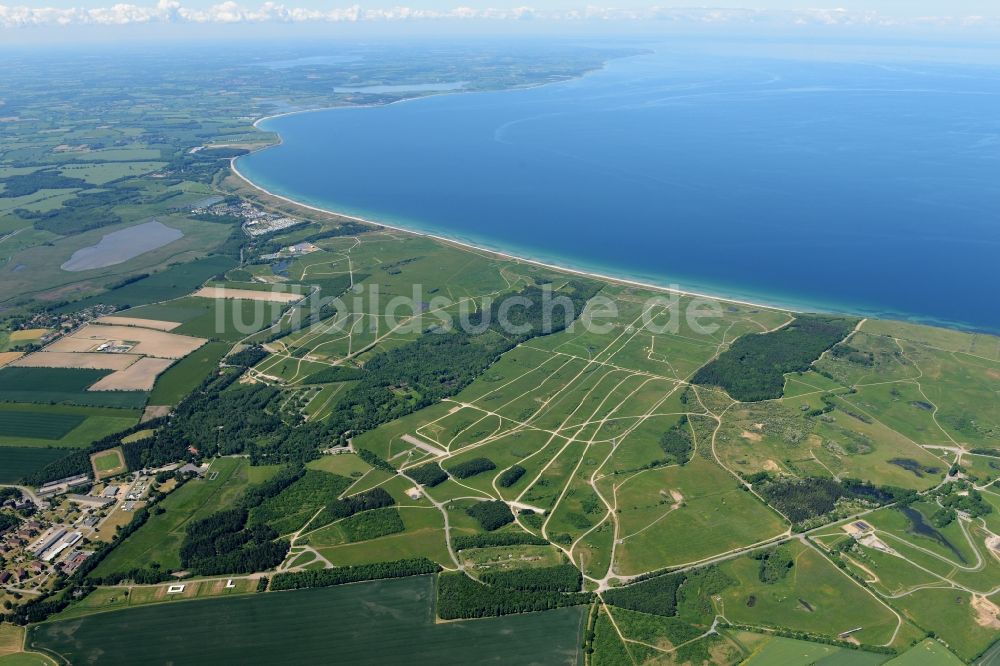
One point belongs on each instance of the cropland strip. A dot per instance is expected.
(248, 294)
(140, 376)
(87, 360)
(113, 320)
(9, 357)
(145, 341)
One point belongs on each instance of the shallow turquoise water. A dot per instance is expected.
(865, 186)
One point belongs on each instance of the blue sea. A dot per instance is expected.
(827, 179)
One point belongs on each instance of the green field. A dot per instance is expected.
(172, 282)
(94, 423)
(101, 173)
(814, 596)
(779, 651)
(308, 626)
(184, 376)
(108, 463)
(927, 653)
(228, 320)
(16, 462)
(160, 538)
(35, 424)
(64, 386)
(115, 598)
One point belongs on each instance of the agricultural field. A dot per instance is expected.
(64, 426)
(17, 461)
(69, 386)
(116, 598)
(173, 282)
(299, 626)
(216, 319)
(12, 649)
(185, 375)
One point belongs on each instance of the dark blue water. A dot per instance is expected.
(869, 187)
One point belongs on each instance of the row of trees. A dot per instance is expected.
(558, 578)
(375, 461)
(495, 539)
(352, 574)
(459, 596)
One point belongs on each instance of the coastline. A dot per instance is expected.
(472, 246)
(496, 253)
(609, 274)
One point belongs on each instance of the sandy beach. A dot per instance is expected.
(496, 253)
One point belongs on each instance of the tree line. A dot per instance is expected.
(558, 578)
(352, 574)
(754, 366)
(458, 596)
(495, 539)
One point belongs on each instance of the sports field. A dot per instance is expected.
(108, 463)
(383, 622)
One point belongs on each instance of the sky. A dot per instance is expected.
(26, 19)
(898, 8)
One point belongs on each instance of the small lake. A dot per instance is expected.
(120, 246)
(920, 527)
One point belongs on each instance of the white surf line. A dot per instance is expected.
(501, 254)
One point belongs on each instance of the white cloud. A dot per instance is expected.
(172, 11)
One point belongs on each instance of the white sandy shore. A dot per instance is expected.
(465, 244)
(504, 255)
